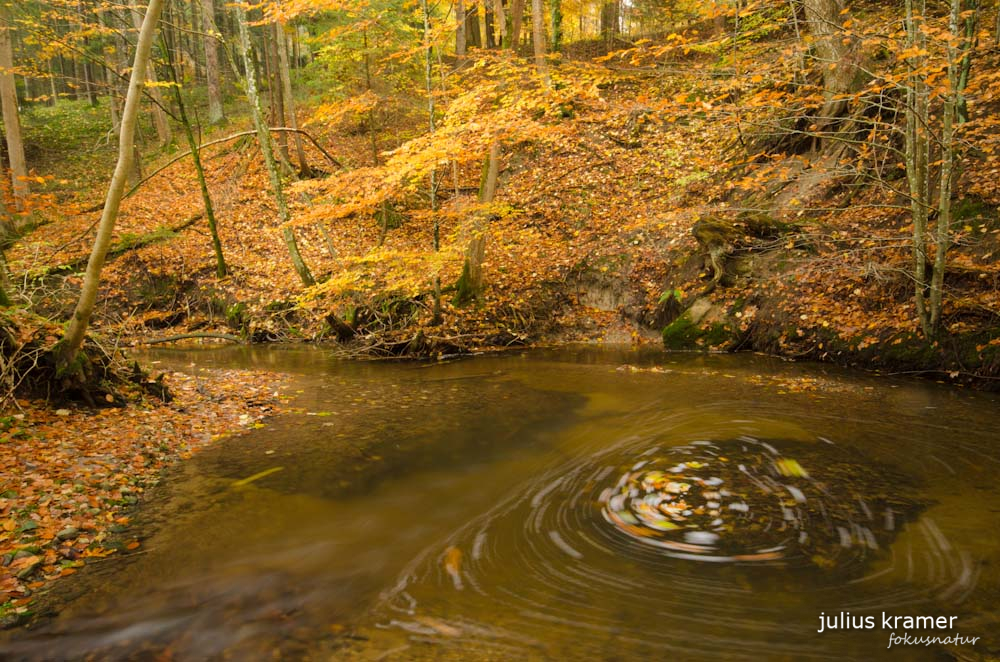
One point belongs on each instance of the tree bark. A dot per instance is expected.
(555, 7)
(473, 35)
(460, 39)
(431, 125)
(491, 41)
(267, 148)
(610, 17)
(500, 17)
(221, 270)
(275, 90)
(516, 22)
(835, 53)
(538, 39)
(11, 119)
(77, 329)
(216, 115)
(470, 284)
(163, 133)
(281, 45)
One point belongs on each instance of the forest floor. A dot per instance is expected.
(71, 474)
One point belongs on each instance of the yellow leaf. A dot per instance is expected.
(257, 476)
(789, 467)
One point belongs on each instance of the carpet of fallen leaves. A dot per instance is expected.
(68, 477)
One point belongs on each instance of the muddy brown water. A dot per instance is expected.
(459, 511)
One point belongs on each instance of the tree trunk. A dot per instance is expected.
(473, 35)
(11, 120)
(555, 7)
(538, 39)
(216, 114)
(163, 133)
(77, 328)
(220, 261)
(276, 92)
(500, 16)
(470, 284)
(281, 46)
(267, 148)
(429, 82)
(610, 17)
(52, 84)
(460, 40)
(917, 156)
(836, 56)
(491, 41)
(516, 22)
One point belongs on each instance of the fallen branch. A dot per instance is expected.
(186, 336)
(118, 249)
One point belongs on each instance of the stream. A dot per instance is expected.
(552, 504)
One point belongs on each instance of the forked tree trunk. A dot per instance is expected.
(267, 148)
(78, 323)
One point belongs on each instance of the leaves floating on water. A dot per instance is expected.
(789, 467)
(745, 500)
(453, 564)
(257, 476)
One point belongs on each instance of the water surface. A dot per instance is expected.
(454, 511)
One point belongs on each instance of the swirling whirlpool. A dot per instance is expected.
(748, 500)
(699, 549)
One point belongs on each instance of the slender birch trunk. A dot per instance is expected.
(431, 125)
(221, 270)
(267, 148)
(78, 323)
(163, 132)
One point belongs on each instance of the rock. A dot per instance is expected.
(62, 412)
(703, 326)
(699, 309)
(69, 533)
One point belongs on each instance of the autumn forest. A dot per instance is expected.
(413, 182)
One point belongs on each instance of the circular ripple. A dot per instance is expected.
(749, 500)
(583, 559)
